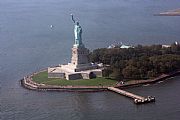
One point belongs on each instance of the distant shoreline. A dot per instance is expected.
(27, 83)
(175, 12)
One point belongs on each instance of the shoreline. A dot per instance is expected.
(175, 12)
(152, 81)
(27, 83)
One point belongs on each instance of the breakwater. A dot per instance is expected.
(29, 84)
(137, 98)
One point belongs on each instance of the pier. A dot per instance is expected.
(137, 99)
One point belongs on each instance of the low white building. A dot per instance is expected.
(166, 46)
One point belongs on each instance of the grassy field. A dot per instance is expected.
(43, 78)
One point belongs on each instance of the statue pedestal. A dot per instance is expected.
(80, 55)
(81, 67)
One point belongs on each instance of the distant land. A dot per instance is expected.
(175, 12)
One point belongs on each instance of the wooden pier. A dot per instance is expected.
(137, 99)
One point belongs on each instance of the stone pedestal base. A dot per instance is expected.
(80, 55)
(69, 72)
(79, 68)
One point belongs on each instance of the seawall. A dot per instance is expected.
(151, 81)
(28, 83)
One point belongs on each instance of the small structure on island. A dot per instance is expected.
(80, 67)
(121, 45)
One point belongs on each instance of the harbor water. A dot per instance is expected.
(35, 34)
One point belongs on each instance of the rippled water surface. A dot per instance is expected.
(27, 44)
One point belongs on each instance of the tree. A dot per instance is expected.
(131, 72)
(117, 74)
(107, 72)
(139, 62)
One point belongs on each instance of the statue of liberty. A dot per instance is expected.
(77, 32)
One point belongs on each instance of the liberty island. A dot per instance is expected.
(80, 70)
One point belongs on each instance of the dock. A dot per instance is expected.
(137, 99)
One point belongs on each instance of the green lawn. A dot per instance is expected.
(43, 78)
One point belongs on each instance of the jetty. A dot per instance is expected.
(137, 99)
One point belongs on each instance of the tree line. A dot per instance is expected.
(140, 62)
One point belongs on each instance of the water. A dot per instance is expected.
(27, 44)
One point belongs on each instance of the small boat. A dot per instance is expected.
(51, 26)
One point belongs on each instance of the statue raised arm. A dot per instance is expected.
(77, 32)
(72, 18)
